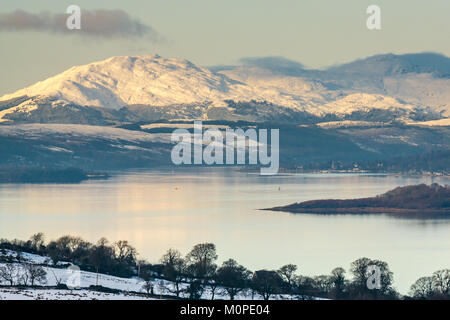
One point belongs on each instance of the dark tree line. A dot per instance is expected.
(118, 258)
(196, 272)
(42, 175)
(436, 286)
(436, 161)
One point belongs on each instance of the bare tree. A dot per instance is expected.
(171, 257)
(9, 273)
(323, 283)
(441, 281)
(287, 273)
(213, 284)
(338, 281)
(174, 269)
(422, 288)
(58, 280)
(36, 274)
(148, 286)
(124, 251)
(201, 260)
(22, 276)
(37, 240)
(147, 275)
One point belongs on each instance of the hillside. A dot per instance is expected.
(145, 145)
(94, 286)
(94, 116)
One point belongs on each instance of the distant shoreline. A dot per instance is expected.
(410, 201)
(47, 175)
(331, 171)
(368, 210)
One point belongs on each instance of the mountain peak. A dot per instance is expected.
(393, 64)
(274, 85)
(124, 80)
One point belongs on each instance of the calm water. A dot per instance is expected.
(158, 210)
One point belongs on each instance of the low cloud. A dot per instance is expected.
(94, 23)
(275, 64)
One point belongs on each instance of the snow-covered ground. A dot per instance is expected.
(118, 137)
(440, 122)
(54, 294)
(130, 288)
(25, 257)
(181, 126)
(37, 130)
(348, 124)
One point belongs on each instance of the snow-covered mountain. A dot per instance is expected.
(156, 81)
(391, 64)
(121, 81)
(150, 87)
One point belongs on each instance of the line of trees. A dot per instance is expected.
(436, 286)
(118, 258)
(196, 272)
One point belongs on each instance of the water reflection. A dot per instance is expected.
(157, 210)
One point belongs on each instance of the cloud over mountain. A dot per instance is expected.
(275, 64)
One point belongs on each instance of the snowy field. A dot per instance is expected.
(54, 294)
(432, 123)
(130, 288)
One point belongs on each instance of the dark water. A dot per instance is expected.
(157, 210)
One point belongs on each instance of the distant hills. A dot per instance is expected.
(410, 87)
(392, 65)
(420, 200)
(383, 113)
(46, 175)
(398, 148)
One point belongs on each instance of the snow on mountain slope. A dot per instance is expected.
(38, 130)
(120, 81)
(24, 107)
(392, 64)
(154, 81)
(294, 92)
(422, 89)
(362, 102)
(75, 145)
(441, 122)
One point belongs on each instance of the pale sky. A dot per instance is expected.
(209, 32)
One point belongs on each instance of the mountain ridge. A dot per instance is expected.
(172, 86)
